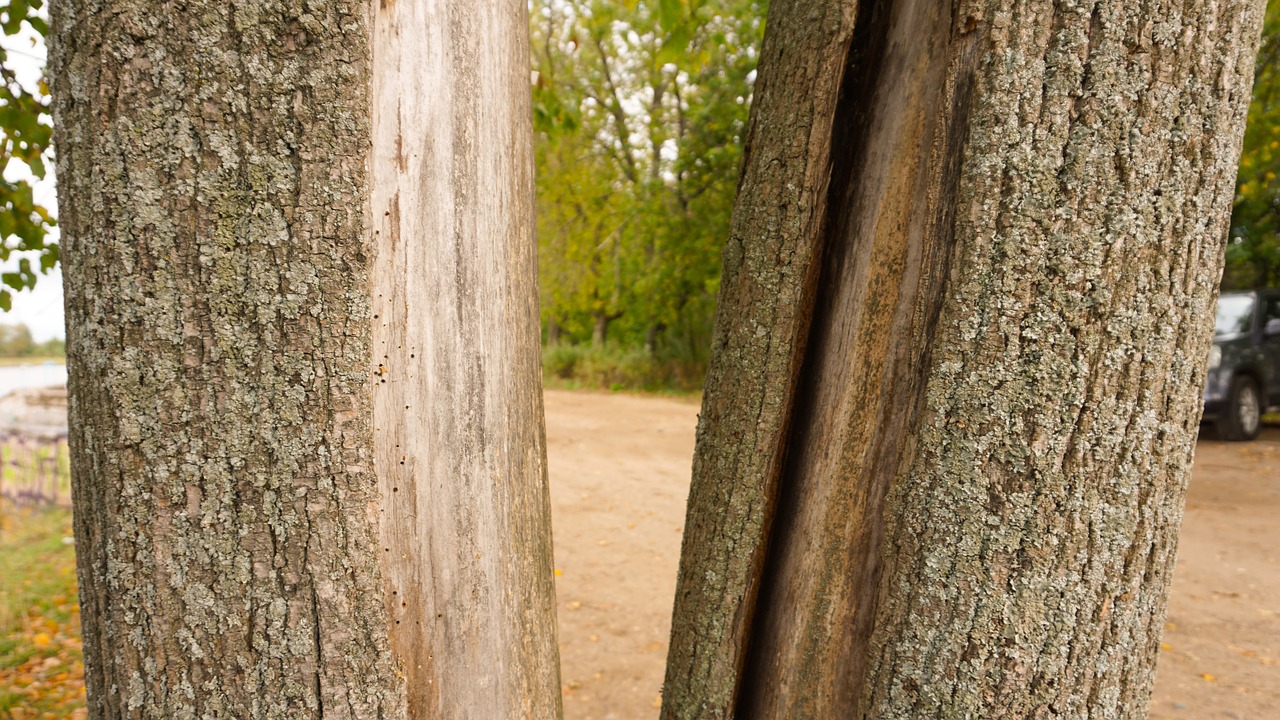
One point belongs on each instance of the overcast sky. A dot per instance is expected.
(39, 309)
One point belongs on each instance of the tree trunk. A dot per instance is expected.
(460, 450)
(651, 337)
(944, 447)
(309, 475)
(600, 329)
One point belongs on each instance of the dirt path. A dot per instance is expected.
(619, 478)
(1222, 641)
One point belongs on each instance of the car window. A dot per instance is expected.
(1272, 311)
(1235, 315)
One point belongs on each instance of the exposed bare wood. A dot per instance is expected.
(460, 455)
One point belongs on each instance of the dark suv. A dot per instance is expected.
(1244, 364)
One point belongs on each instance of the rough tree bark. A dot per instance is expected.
(307, 450)
(955, 380)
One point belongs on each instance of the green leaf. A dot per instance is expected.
(670, 13)
(675, 48)
(25, 135)
(50, 257)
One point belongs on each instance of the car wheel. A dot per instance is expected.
(1243, 417)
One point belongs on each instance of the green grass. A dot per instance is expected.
(613, 367)
(41, 666)
(12, 361)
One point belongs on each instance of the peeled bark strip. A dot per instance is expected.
(461, 456)
(986, 442)
(236, 484)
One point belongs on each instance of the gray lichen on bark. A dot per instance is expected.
(1031, 536)
(952, 401)
(212, 180)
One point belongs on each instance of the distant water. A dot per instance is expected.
(31, 376)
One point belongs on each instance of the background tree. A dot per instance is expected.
(16, 341)
(639, 108)
(24, 142)
(957, 368)
(305, 412)
(1253, 255)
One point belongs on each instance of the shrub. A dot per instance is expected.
(616, 367)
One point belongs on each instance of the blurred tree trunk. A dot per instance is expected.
(651, 337)
(309, 475)
(955, 383)
(600, 327)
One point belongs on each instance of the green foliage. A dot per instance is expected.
(639, 107)
(25, 135)
(1253, 252)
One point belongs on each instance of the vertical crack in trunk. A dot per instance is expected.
(767, 293)
(898, 133)
(838, 250)
(317, 640)
(1034, 142)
